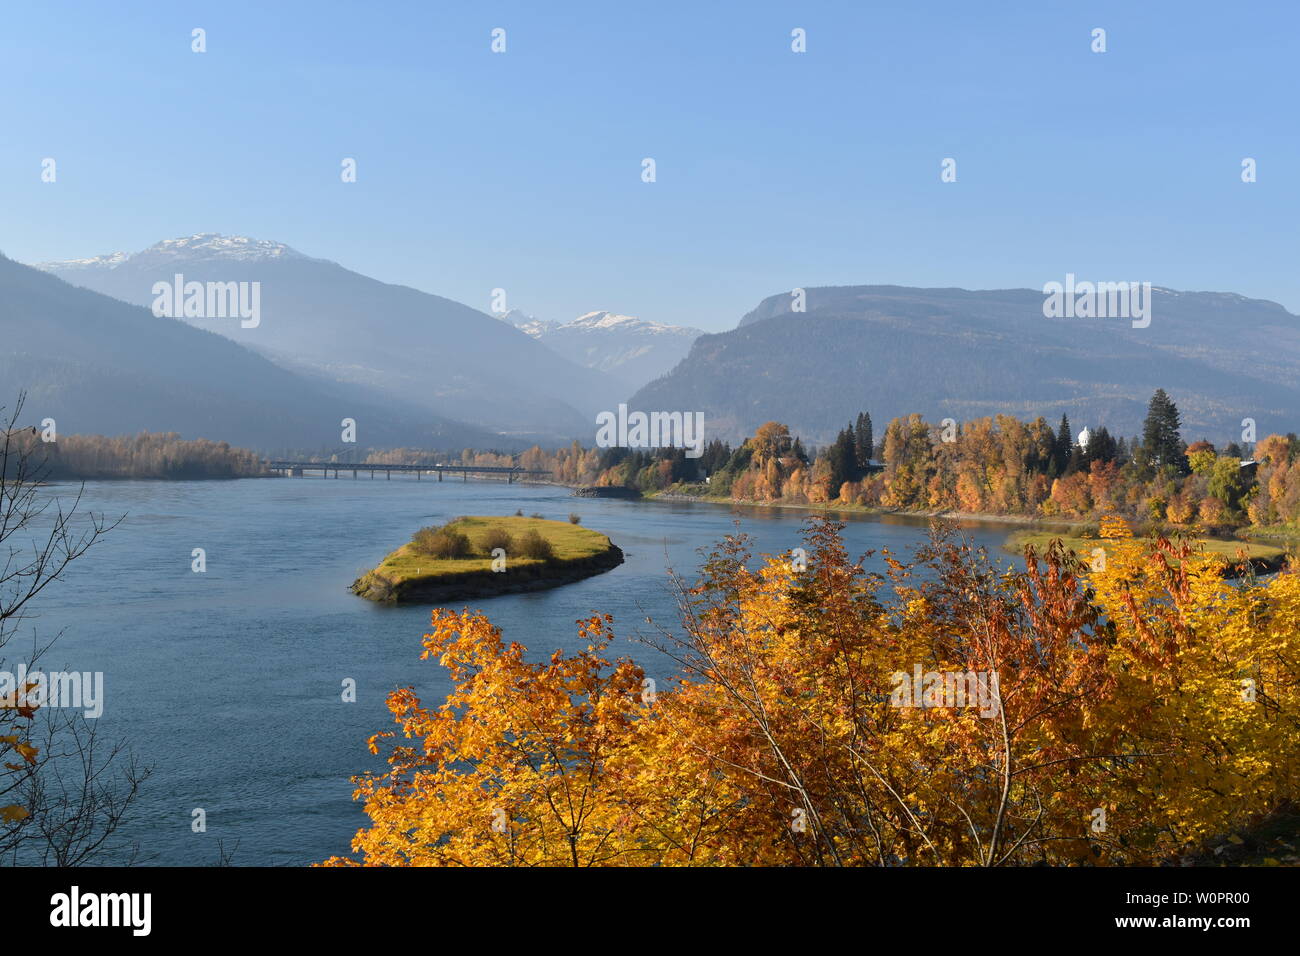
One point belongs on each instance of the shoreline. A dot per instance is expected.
(1017, 525)
(873, 512)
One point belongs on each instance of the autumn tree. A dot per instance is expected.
(1227, 482)
(1114, 712)
(771, 441)
(511, 768)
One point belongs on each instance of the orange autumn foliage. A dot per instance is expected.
(1123, 716)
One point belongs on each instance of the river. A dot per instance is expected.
(229, 682)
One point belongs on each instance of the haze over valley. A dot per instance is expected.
(441, 368)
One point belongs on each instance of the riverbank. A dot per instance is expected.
(498, 562)
(875, 512)
(1079, 535)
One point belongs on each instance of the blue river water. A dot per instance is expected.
(228, 683)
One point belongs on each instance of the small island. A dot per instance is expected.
(479, 556)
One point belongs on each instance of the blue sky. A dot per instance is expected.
(775, 169)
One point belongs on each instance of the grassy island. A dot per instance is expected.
(480, 556)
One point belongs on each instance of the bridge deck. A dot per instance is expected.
(325, 467)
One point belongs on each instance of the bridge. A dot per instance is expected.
(299, 469)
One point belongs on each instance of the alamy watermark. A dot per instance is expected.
(1098, 300)
(75, 908)
(952, 689)
(209, 300)
(651, 430)
(75, 690)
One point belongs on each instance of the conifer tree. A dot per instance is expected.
(865, 442)
(1161, 443)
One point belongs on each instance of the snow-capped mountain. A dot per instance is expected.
(634, 351)
(94, 262)
(100, 366)
(528, 323)
(204, 246)
(408, 347)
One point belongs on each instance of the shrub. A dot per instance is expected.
(533, 545)
(495, 538)
(519, 513)
(575, 518)
(441, 542)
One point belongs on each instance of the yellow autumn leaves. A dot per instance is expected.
(14, 710)
(1140, 710)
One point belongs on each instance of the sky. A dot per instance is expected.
(775, 170)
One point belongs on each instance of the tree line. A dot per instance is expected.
(992, 465)
(145, 455)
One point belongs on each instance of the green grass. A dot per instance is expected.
(570, 542)
(1220, 546)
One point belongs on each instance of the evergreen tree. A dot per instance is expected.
(1161, 443)
(843, 459)
(716, 454)
(1078, 460)
(864, 441)
(1102, 447)
(1062, 447)
(798, 450)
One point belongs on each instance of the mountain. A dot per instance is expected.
(633, 351)
(953, 353)
(528, 324)
(408, 347)
(97, 365)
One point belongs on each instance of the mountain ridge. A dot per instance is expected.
(408, 346)
(98, 365)
(634, 350)
(946, 352)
